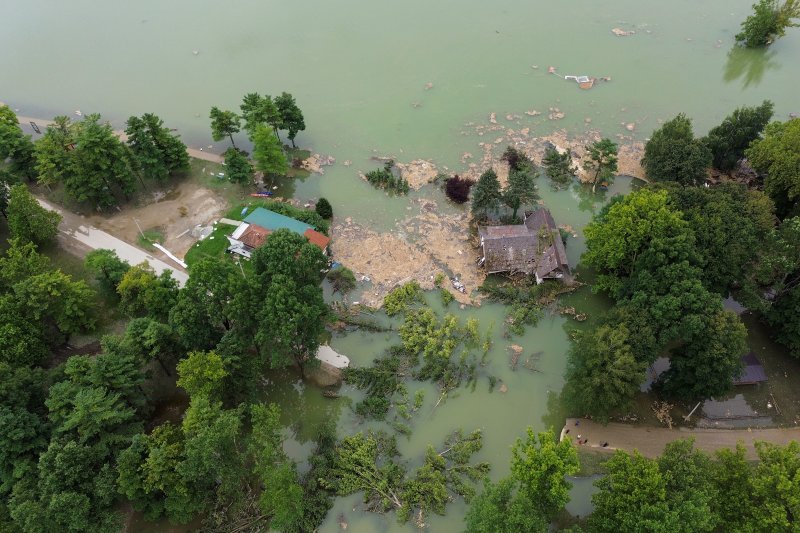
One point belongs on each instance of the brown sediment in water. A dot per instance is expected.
(430, 242)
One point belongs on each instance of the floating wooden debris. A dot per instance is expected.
(328, 393)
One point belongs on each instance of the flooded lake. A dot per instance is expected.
(359, 72)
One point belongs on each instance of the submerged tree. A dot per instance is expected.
(729, 140)
(673, 154)
(603, 374)
(558, 166)
(268, 153)
(291, 117)
(457, 188)
(486, 194)
(602, 161)
(535, 492)
(259, 110)
(224, 124)
(768, 22)
(521, 190)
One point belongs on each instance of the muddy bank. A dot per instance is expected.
(173, 212)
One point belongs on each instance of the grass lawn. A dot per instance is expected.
(212, 246)
(149, 237)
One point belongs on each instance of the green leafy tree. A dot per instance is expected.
(15, 145)
(282, 495)
(211, 305)
(323, 208)
(289, 254)
(98, 165)
(731, 476)
(673, 154)
(201, 373)
(238, 166)
(729, 140)
(155, 150)
(107, 267)
(777, 156)
(535, 492)
(632, 497)
(147, 339)
(486, 194)
(29, 221)
(769, 20)
(291, 115)
(626, 229)
(291, 319)
(53, 152)
(258, 110)
(21, 261)
(558, 166)
(268, 153)
(342, 280)
(602, 162)
(142, 293)
(224, 124)
(521, 190)
(603, 374)
(57, 302)
(731, 225)
(22, 342)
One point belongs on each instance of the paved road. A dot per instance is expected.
(79, 238)
(650, 441)
(193, 152)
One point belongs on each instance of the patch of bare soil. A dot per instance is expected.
(174, 212)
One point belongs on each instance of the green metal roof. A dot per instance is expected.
(274, 221)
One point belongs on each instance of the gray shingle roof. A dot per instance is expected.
(534, 246)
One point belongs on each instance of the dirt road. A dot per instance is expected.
(650, 441)
(193, 152)
(77, 237)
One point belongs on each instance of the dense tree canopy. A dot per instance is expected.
(88, 158)
(521, 191)
(729, 140)
(533, 494)
(268, 153)
(155, 150)
(603, 374)
(260, 110)
(673, 154)
(15, 145)
(777, 157)
(29, 221)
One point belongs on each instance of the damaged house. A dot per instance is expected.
(534, 247)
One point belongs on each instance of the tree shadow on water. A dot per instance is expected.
(749, 64)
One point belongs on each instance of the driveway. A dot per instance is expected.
(79, 238)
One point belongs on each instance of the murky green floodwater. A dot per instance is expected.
(356, 68)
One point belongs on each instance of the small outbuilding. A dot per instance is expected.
(753, 371)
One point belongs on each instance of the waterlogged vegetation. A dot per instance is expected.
(422, 431)
(385, 178)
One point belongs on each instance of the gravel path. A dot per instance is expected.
(650, 441)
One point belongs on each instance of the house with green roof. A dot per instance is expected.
(274, 221)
